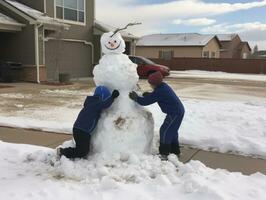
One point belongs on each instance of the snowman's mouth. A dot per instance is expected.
(113, 48)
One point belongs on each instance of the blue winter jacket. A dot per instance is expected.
(90, 113)
(166, 98)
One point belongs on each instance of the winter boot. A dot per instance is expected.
(58, 153)
(175, 149)
(164, 150)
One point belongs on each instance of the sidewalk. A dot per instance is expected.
(232, 163)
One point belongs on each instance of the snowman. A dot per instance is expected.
(125, 127)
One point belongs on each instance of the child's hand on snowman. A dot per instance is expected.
(133, 95)
(115, 94)
(146, 93)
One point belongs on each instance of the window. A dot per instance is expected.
(205, 54)
(213, 54)
(133, 59)
(139, 61)
(73, 10)
(166, 55)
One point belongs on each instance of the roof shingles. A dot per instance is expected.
(179, 39)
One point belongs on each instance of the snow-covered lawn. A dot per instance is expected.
(27, 174)
(217, 75)
(225, 126)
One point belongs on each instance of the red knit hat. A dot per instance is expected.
(155, 78)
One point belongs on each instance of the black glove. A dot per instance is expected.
(146, 93)
(115, 94)
(133, 95)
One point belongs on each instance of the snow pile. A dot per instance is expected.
(120, 177)
(125, 127)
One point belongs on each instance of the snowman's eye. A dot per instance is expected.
(109, 42)
(115, 41)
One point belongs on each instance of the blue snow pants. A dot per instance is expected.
(169, 129)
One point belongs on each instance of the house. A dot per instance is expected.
(49, 37)
(233, 46)
(167, 46)
(100, 28)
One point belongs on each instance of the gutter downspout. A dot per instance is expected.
(45, 6)
(92, 56)
(37, 52)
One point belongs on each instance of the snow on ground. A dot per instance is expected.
(224, 126)
(26, 173)
(217, 75)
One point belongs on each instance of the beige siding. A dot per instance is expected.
(187, 52)
(76, 31)
(212, 47)
(67, 57)
(76, 58)
(36, 4)
(229, 48)
(153, 52)
(148, 52)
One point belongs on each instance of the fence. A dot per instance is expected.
(246, 66)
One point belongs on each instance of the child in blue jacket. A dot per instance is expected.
(87, 121)
(169, 104)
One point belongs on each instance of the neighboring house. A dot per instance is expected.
(100, 28)
(233, 46)
(167, 46)
(259, 55)
(48, 37)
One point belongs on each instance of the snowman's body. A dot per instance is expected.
(125, 126)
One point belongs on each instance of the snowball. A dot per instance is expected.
(112, 43)
(116, 72)
(124, 129)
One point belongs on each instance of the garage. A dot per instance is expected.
(67, 57)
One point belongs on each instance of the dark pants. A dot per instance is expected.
(169, 142)
(82, 148)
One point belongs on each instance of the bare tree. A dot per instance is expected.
(255, 49)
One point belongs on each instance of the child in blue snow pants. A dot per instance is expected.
(87, 121)
(171, 105)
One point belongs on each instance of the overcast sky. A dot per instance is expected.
(245, 17)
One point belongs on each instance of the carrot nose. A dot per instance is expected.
(112, 44)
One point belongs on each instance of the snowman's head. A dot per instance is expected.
(112, 43)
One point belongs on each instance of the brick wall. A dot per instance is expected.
(29, 73)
